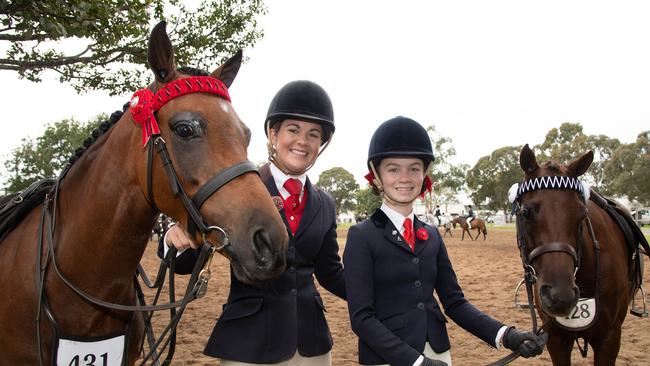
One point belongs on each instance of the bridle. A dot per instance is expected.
(552, 182)
(549, 182)
(143, 106)
(530, 276)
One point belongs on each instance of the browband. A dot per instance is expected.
(548, 182)
(144, 102)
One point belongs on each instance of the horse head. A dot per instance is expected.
(551, 211)
(207, 148)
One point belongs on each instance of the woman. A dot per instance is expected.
(281, 322)
(394, 263)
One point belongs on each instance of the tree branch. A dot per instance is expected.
(112, 55)
(7, 67)
(23, 38)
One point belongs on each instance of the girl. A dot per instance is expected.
(394, 263)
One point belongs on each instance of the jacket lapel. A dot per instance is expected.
(391, 234)
(312, 208)
(269, 182)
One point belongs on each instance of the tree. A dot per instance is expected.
(46, 155)
(627, 170)
(341, 185)
(569, 141)
(367, 202)
(448, 178)
(493, 175)
(106, 41)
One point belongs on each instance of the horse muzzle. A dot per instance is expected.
(558, 300)
(261, 256)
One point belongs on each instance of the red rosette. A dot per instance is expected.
(142, 111)
(422, 234)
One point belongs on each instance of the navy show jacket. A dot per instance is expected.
(390, 294)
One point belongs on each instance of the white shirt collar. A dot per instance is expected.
(279, 178)
(395, 217)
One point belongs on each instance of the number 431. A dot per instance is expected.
(89, 360)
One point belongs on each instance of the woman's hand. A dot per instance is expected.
(177, 237)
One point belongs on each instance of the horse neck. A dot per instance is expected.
(103, 219)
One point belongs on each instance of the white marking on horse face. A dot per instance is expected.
(225, 106)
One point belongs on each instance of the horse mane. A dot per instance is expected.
(105, 126)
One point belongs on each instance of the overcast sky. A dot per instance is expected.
(487, 74)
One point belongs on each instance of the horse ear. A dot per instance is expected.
(229, 69)
(161, 54)
(527, 160)
(579, 166)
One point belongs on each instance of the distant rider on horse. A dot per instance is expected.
(470, 216)
(437, 215)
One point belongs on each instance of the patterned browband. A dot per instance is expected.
(144, 102)
(548, 182)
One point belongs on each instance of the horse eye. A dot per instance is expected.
(526, 212)
(184, 130)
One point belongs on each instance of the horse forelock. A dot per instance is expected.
(555, 167)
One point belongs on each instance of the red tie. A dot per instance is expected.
(294, 187)
(408, 233)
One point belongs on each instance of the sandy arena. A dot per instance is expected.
(488, 272)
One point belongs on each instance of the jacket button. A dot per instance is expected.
(415, 260)
(291, 249)
(420, 305)
(294, 291)
(418, 283)
(292, 269)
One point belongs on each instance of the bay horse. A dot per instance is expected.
(476, 223)
(196, 146)
(581, 257)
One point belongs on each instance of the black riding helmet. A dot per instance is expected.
(400, 136)
(302, 100)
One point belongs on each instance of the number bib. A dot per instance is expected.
(96, 351)
(582, 316)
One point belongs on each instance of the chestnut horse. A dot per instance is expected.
(578, 263)
(93, 227)
(476, 223)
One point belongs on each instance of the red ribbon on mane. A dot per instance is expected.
(144, 102)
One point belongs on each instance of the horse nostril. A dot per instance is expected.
(265, 260)
(545, 294)
(261, 248)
